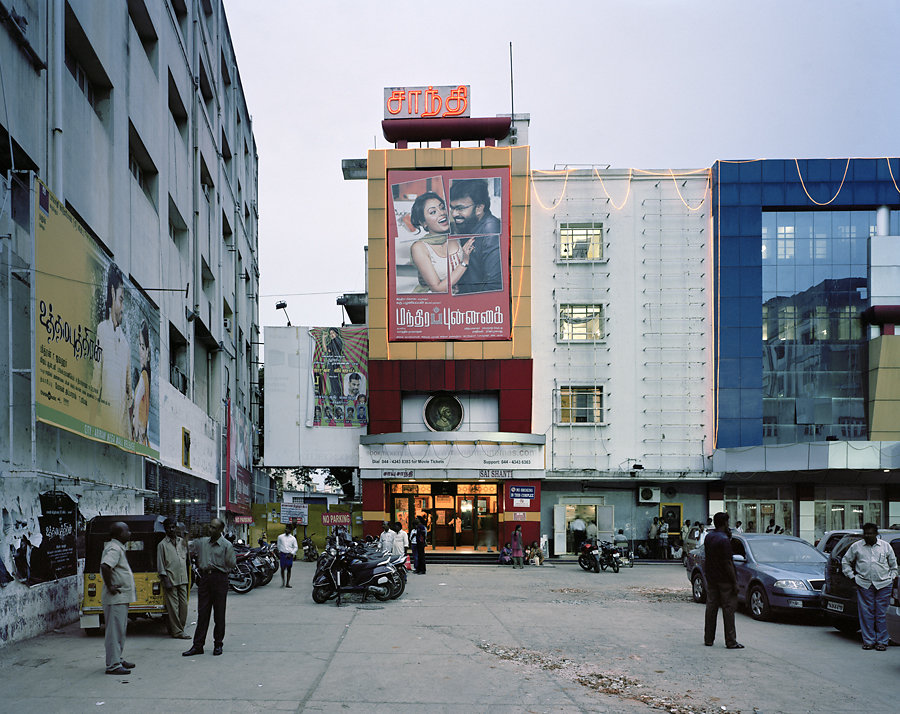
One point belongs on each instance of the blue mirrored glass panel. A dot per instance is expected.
(814, 279)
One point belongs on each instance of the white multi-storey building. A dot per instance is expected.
(128, 170)
(622, 346)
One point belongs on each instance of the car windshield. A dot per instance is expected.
(776, 550)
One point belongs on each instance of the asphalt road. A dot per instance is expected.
(466, 639)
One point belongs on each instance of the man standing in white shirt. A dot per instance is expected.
(287, 547)
(118, 592)
(401, 540)
(872, 564)
(386, 539)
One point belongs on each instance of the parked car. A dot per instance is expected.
(893, 613)
(829, 539)
(839, 591)
(774, 573)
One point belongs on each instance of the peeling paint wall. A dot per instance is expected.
(27, 611)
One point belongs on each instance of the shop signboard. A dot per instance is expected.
(340, 376)
(429, 102)
(448, 255)
(495, 461)
(96, 337)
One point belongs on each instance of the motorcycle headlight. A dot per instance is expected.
(332, 551)
(791, 585)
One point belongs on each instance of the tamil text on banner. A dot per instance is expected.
(340, 376)
(96, 337)
(448, 255)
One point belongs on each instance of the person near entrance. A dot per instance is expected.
(118, 592)
(172, 563)
(773, 528)
(579, 532)
(421, 536)
(873, 565)
(518, 547)
(386, 539)
(653, 536)
(287, 549)
(215, 559)
(400, 542)
(721, 584)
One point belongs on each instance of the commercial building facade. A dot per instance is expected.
(129, 282)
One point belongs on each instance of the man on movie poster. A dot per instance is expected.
(470, 209)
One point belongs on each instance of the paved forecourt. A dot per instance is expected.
(465, 639)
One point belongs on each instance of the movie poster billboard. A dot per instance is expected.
(448, 255)
(340, 376)
(96, 337)
(239, 446)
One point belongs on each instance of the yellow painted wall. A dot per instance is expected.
(517, 159)
(883, 400)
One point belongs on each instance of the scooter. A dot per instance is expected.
(339, 570)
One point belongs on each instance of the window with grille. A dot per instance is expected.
(580, 405)
(580, 323)
(581, 241)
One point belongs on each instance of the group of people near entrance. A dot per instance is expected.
(394, 540)
(516, 554)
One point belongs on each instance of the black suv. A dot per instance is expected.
(839, 591)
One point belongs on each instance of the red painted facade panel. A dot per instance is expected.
(388, 381)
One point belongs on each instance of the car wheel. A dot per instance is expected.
(758, 603)
(698, 589)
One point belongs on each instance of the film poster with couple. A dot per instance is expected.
(96, 337)
(340, 376)
(448, 255)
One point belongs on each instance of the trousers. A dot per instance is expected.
(116, 617)
(212, 590)
(176, 602)
(720, 595)
(873, 605)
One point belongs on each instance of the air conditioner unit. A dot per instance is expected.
(646, 494)
(227, 324)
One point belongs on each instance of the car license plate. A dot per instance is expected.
(836, 606)
(795, 603)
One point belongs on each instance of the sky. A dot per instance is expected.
(652, 84)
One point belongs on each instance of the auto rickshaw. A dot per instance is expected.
(146, 533)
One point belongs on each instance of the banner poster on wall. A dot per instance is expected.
(448, 255)
(96, 337)
(340, 376)
(239, 445)
(53, 553)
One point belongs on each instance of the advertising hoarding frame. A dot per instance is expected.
(448, 277)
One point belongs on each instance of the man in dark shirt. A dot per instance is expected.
(215, 559)
(470, 208)
(721, 583)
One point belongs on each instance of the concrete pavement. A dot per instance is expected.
(463, 639)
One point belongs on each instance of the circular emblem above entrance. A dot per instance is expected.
(443, 412)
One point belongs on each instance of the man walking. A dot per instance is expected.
(721, 583)
(215, 559)
(872, 564)
(118, 592)
(287, 548)
(172, 564)
(401, 540)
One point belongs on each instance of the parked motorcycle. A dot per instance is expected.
(609, 556)
(241, 579)
(589, 556)
(310, 551)
(341, 570)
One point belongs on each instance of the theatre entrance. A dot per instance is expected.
(458, 515)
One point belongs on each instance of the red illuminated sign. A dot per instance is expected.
(335, 519)
(426, 102)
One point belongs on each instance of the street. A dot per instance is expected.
(464, 639)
